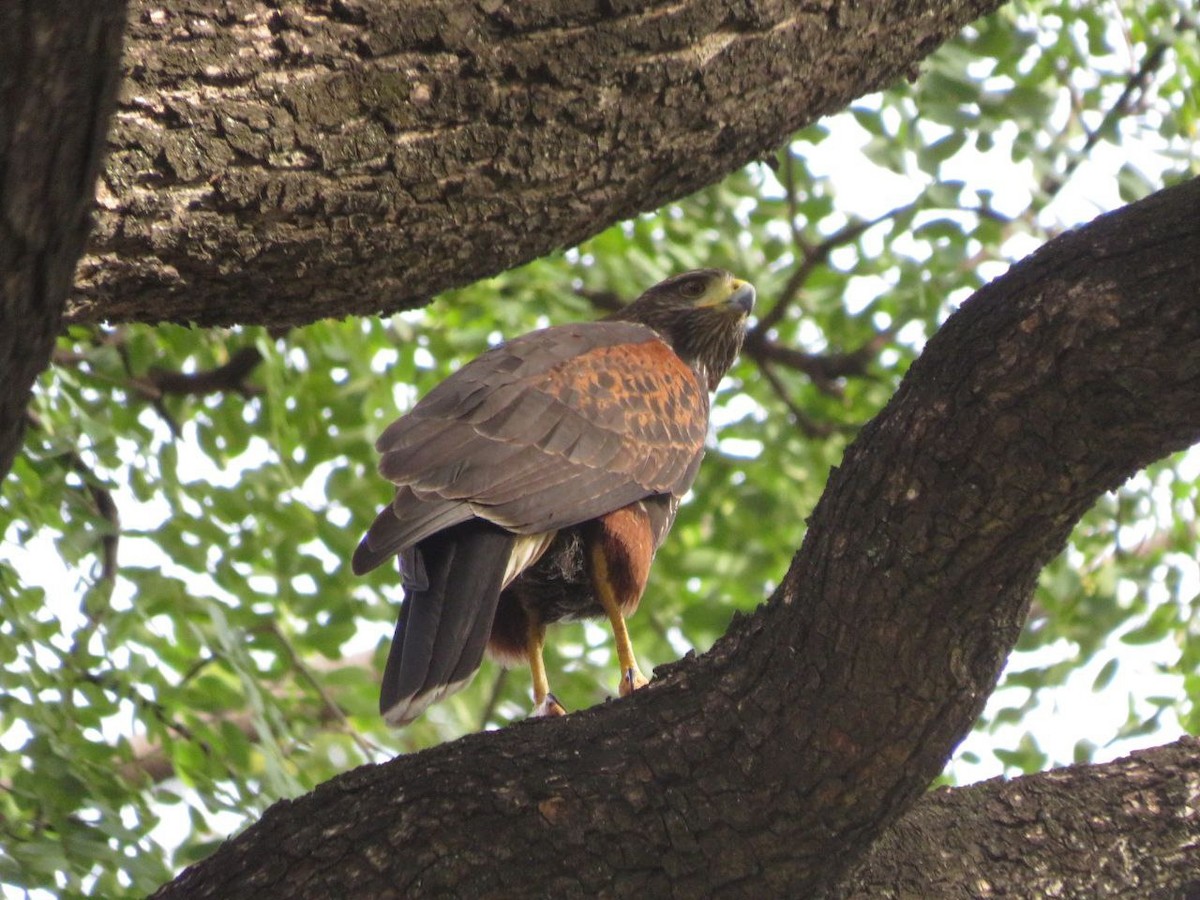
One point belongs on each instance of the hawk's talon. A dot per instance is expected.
(632, 680)
(548, 707)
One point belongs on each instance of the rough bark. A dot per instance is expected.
(1130, 828)
(58, 76)
(769, 765)
(277, 164)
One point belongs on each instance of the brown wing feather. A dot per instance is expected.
(549, 430)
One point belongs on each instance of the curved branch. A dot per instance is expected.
(279, 165)
(767, 766)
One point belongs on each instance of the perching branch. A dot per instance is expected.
(769, 765)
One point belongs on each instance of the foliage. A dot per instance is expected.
(226, 657)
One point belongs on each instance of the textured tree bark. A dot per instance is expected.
(58, 76)
(277, 164)
(768, 766)
(1127, 828)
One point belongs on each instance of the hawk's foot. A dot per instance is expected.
(632, 680)
(548, 707)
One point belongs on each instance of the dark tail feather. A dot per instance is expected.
(443, 627)
(367, 557)
(405, 521)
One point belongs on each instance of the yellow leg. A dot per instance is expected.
(544, 702)
(631, 676)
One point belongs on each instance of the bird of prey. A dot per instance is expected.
(536, 483)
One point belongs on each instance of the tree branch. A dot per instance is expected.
(152, 759)
(823, 368)
(1125, 827)
(58, 69)
(768, 766)
(231, 377)
(102, 505)
(813, 257)
(1137, 83)
(386, 155)
(803, 421)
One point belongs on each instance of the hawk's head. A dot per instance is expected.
(701, 314)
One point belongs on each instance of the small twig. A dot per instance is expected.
(803, 421)
(1137, 82)
(152, 759)
(605, 301)
(107, 508)
(789, 182)
(198, 666)
(331, 706)
(493, 698)
(102, 502)
(815, 257)
(154, 398)
(823, 369)
(157, 383)
(231, 377)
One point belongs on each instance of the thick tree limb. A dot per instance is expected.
(768, 766)
(1126, 828)
(58, 76)
(282, 164)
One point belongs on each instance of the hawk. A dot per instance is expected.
(536, 483)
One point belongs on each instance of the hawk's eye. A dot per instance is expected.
(694, 288)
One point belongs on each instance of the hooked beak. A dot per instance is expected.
(743, 296)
